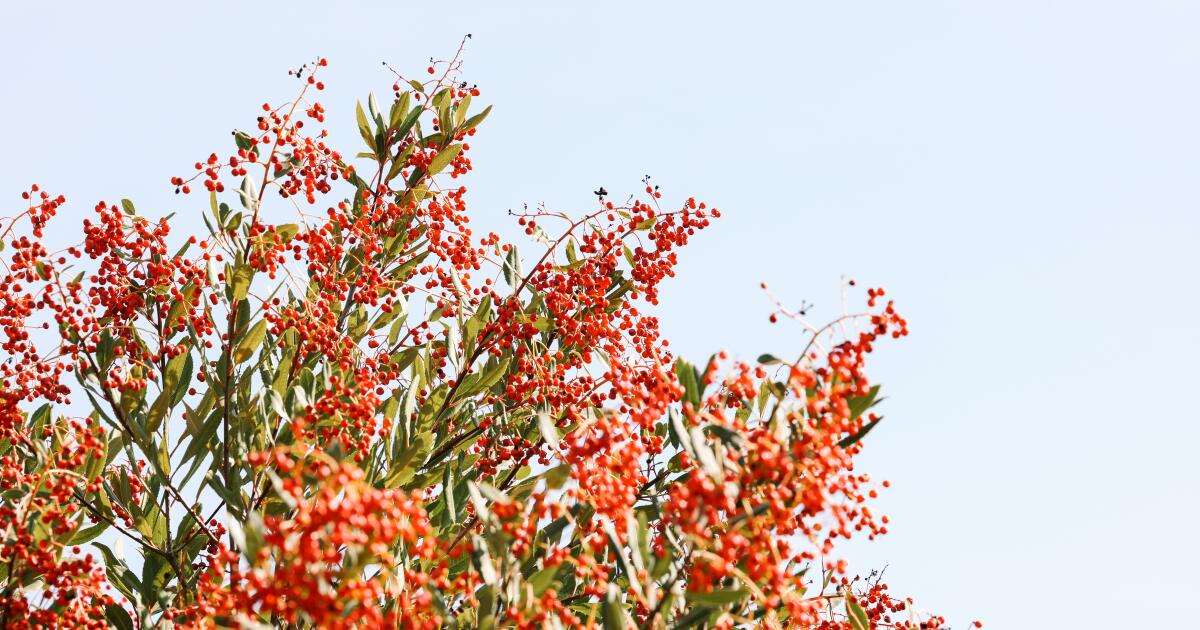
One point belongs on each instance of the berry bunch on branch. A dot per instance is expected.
(340, 406)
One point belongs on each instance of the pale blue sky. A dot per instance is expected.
(1022, 176)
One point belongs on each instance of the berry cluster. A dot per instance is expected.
(342, 407)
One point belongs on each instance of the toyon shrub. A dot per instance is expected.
(342, 407)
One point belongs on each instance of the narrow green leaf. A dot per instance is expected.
(855, 613)
(286, 231)
(483, 560)
(364, 128)
(614, 613)
(542, 580)
(399, 109)
(512, 267)
(474, 121)
(448, 492)
(243, 140)
(248, 194)
(548, 430)
(860, 404)
(851, 440)
(250, 342)
(373, 106)
(171, 380)
(557, 477)
(692, 385)
(240, 284)
(722, 597)
(85, 535)
(118, 617)
(443, 158)
(119, 574)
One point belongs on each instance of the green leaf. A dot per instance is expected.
(722, 597)
(860, 404)
(248, 536)
(251, 342)
(154, 573)
(701, 451)
(677, 430)
(248, 194)
(729, 437)
(240, 283)
(542, 580)
(477, 500)
(474, 121)
(118, 617)
(356, 324)
(448, 492)
(856, 615)
(40, 417)
(243, 140)
(127, 205)
(173, 378)
(483, 560)
(232, 496)
(201, 440)
(407, 409)
(614, 613)
(443, 158)
(495, 373)
(691, 380)
(557, 477)
(512, 267)
(152, 524)
(373, 106)
(475, 324)
(572, 252)
(623, 560)
(695, 617)
(442, 99)
(409, 121)
(364, 127)
(486, 595)
(548, 430)
(460, 110)
(399, 109)
(119, 574)
(286, 231)
(86, 535)
(851, 440)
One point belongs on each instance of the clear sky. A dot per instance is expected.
(1023, 177)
